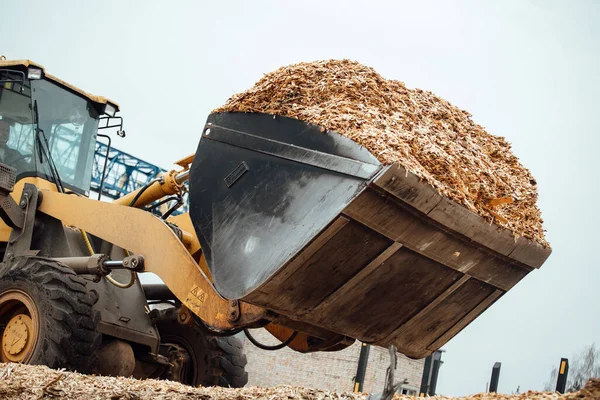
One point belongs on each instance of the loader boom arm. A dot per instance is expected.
(164, 254)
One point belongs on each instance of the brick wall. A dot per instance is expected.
(323, 370)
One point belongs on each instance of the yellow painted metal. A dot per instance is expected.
(143, 233)
(167, 185)
(185, 161)
(60, 82)
(21, 333)
(16, 195)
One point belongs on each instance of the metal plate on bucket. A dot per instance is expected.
(262, 187)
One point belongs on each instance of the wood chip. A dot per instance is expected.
(500, 201)
(28, 382)
(423, 132)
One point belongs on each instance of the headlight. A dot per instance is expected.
(110, 110)
(34, 73)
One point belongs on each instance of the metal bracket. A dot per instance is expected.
(10, 212)
(133, 263)
(20, 239)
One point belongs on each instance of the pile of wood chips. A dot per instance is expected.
(426, 134)
(27, 382)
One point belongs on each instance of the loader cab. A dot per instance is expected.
(52, 126)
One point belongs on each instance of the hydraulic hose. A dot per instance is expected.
(265, 347)
(141, 192)
(122, 285)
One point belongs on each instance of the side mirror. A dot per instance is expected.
(112, 122)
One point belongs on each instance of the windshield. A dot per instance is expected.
(66, 122)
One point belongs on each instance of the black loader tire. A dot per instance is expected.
(66, 332)
(232, 361)
(216, 361)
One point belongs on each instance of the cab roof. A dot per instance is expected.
(28, 63)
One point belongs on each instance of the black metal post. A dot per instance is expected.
(563, 373)
(495, 378)
(426, 374)
(437, 363)
(431, 371)
(105, 163)
(363, 359)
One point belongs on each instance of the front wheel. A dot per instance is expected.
(206, 361)
(46, 316)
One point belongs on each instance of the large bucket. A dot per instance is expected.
(310, 225)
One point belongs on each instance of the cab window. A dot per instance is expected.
(41, 121)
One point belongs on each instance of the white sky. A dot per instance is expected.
(526, 70)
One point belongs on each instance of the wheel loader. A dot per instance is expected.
(291, 228)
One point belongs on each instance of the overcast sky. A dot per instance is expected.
(526, 70)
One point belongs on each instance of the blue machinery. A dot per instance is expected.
(124, 173)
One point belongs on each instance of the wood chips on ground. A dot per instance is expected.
(28, 382)
(417, 129)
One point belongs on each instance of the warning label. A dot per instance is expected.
(195, 299)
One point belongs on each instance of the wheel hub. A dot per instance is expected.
(16, 335)
(20, 318)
